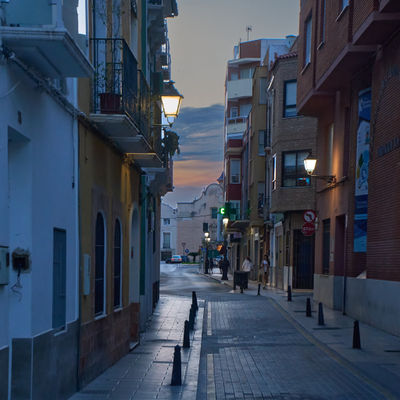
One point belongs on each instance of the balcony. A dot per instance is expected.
(167, 8)
(40, 38)
(236, 125)
(121, 98)
(239, 88)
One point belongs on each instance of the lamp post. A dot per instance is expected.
(310, 163)
(206, 261)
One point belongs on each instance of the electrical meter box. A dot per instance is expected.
(4, 266)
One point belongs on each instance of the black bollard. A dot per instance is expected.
(308, 307)
(356, 336)
(320, 315)
(194, 300)
(259, 287)
(191, 319)
(289, 293)
(177, 368)
(241, 288)
(186, 339)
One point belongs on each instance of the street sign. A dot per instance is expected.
(308, 229)
(309, 216)
(187, 251)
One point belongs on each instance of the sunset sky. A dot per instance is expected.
(202, 39)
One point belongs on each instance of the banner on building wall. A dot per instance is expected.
(361, 172)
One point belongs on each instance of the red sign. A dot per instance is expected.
(308, 229)
(309, 216)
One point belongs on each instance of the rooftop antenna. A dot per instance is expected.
(249, 29)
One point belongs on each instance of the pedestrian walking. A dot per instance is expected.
(265, 268)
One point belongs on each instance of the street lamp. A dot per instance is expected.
(206, 261)
(310, 163)
(206, 235)
(225, 221)
(171, 100)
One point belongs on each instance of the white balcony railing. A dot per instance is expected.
(236, 125)
(239, 88)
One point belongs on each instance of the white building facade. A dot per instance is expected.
(168, 239)
(39, 249)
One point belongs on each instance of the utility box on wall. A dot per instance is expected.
(4, 266)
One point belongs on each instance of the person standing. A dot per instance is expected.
(265, 266)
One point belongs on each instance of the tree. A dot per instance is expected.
(194, 255)
(171, 143)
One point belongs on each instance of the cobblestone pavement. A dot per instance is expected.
(251, 351)
(145, 373)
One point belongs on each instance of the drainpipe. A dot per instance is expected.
(143, 213)
(144, 37)
(345, 265)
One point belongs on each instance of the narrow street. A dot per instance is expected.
(244, 347)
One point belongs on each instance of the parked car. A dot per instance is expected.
(176, 259)
(168, 261)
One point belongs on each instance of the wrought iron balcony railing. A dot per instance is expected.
(115, 84)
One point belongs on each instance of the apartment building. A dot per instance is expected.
(245, 122)
(83, 168)
(348, 79)
(41, 57)
(124, 170)
(290, 138)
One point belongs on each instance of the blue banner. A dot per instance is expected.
(361, 172)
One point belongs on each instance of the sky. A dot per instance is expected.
(202, 38)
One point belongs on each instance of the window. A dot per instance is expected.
(235, 205)
(234, 112)
(274, 172)
(234, 76)
(167, 221)
(246, 73)
(166, 240)
(261, 136)
(290, 99)
(245, 110)
(307, 42)
(234, 171)
(99, 279)
(343, 4)
(294, 173)
(117, 265)
(322, 22)
(59, 278)
(326, 240)
(214, 212)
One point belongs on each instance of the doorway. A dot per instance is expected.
(303, 262)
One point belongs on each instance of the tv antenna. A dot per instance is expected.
(249, 29)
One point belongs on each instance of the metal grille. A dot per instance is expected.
(115, 84)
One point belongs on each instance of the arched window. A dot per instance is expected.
(99, 281)
(117, 265)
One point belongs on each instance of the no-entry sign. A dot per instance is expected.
(308, 229)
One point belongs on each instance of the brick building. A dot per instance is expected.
(289, 139)
(349, 70)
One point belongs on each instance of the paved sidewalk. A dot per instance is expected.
(145, 373)
(377, 363)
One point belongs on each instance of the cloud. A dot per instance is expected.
(201, 133)
(200, 163)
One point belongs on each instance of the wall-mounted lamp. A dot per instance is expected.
(310, 163)
(171, 100)
(208, 239)
(206, 234)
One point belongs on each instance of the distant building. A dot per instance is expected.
(168, 231)
(192, 215)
